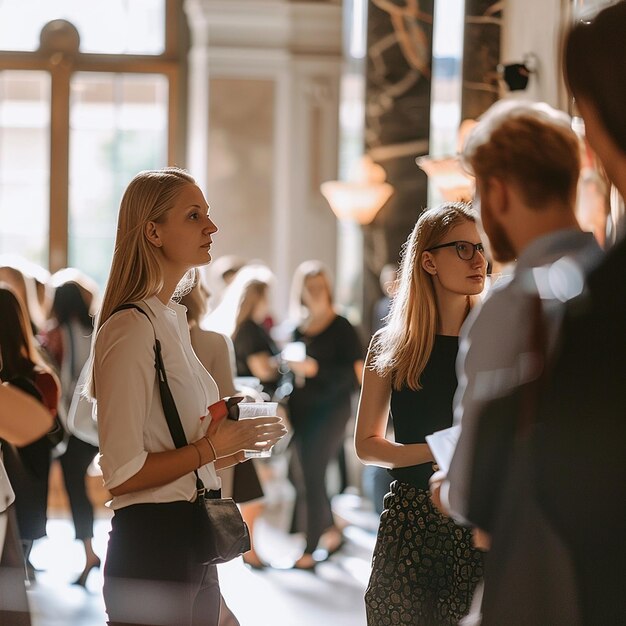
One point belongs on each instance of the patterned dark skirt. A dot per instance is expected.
(424, 568)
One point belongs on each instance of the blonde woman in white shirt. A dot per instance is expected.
(151, 575)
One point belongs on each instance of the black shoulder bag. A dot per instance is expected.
(222, 533)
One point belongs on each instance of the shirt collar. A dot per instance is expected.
(550, 247)
(555, 265)
(156, 306)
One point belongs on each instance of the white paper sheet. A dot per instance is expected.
(442, 445)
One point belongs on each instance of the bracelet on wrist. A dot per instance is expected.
(212, 448)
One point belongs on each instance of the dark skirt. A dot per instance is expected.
(246, 483)
(151, 574)
(13, 601)
(28, 469)
(424, 568)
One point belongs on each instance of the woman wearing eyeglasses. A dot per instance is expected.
(424, 568)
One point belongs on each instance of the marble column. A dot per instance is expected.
(481, 56)
(399, 55)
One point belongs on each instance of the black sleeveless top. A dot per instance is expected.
(252, 338)
(416, 414)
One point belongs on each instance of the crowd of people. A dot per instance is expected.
(494, 405)
(232, 341)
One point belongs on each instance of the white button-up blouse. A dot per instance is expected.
(130, 417)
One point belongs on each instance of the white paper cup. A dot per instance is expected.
(294, 351)
(257, 409)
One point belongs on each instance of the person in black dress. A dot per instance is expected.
(320, 403)
(424, 568)
(215, 352)
(256, 353)
(68, 341)
(28, 467)
(22, 420)
(243, 315)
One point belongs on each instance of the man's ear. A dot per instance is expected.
(152, 235)
(428, 263)
(497, 192)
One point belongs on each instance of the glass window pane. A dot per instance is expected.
(25, 164)
(118, 126)
(111, 27)
(446, 82)
(446, 87)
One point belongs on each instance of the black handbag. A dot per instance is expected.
(222, 534)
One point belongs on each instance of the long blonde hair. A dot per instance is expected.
(240, 298)
(135, 272)
(254, 292)
(298, 312)
(402, 348)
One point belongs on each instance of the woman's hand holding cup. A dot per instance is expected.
(254, 410)
(258, 434)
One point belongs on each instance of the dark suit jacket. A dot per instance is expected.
(580, 441)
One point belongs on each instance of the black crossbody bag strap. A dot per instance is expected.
(167, 399)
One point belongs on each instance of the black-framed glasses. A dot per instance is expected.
(464, 249)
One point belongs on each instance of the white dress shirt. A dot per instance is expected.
(494, 354)
(130, 417)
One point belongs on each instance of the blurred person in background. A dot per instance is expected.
(375, 480)
(219, 274)
(215, 352)
(29, 289)
(22, 420)
(320, 404)
(255, 351)
(424, 568)
(67, 339)
(241, 315)
(28, 467)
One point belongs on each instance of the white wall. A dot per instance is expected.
(535, 26)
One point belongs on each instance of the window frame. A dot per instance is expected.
(61, 64)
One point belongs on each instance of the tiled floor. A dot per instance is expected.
(276, 596)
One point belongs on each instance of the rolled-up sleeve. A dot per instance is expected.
(124, 382)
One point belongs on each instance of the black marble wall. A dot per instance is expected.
(481, 55)
(399, 45)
